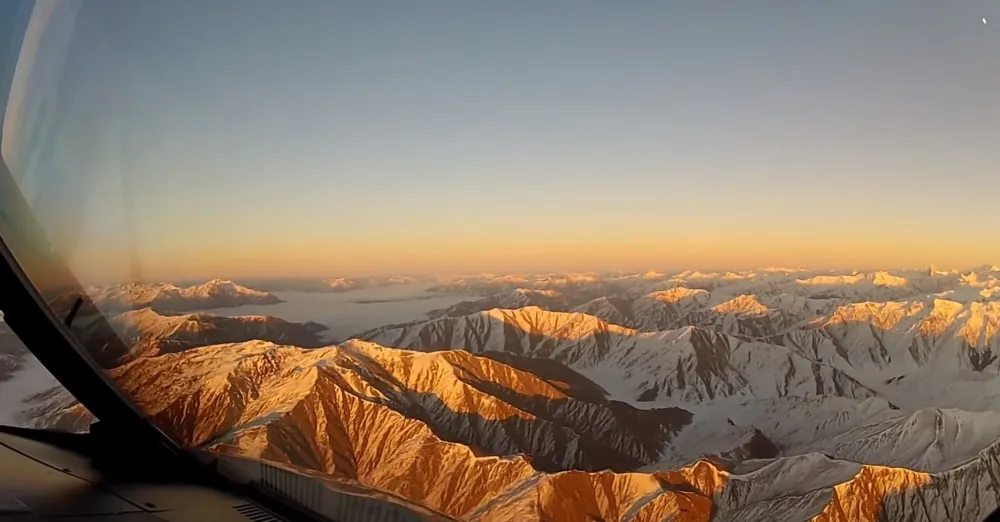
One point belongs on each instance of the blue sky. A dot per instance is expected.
(325, 138)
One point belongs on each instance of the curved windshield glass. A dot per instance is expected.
(29, 395)
(532, 261)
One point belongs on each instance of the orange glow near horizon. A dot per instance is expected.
(193, 158)
(235, 259)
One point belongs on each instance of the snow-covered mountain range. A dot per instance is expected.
(170, 298)
(774, 394)
(690, 364)
(147, 333)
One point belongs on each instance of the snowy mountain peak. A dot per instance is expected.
(882, 278)
(742, 305)
(167, 297)
(832, 280)
(680, 295)
(884, 316)
(554, 324)
(878, 278)
(223, 286)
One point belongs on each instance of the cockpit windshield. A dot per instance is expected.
(514, 261)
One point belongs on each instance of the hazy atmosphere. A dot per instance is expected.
(515, 261)
(443, 137)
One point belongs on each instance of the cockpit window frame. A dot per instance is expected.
(47, 337)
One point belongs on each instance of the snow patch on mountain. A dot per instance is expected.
(684, 365)
(167, 297)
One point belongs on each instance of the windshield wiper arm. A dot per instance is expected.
(72, 312)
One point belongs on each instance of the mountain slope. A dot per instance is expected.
(145, 333)
(331, 410)
(655, 311)
(869, 431)
(167, 297)
(689, 364)
(478, 401)
(289, 405)
(517, 298)
(900, 336)
(149, 333)
(931, 353)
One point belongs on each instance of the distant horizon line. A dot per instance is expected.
(459, 275)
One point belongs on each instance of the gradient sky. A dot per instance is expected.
(340, 138)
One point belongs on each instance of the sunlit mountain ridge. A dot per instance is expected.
(756, 395)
